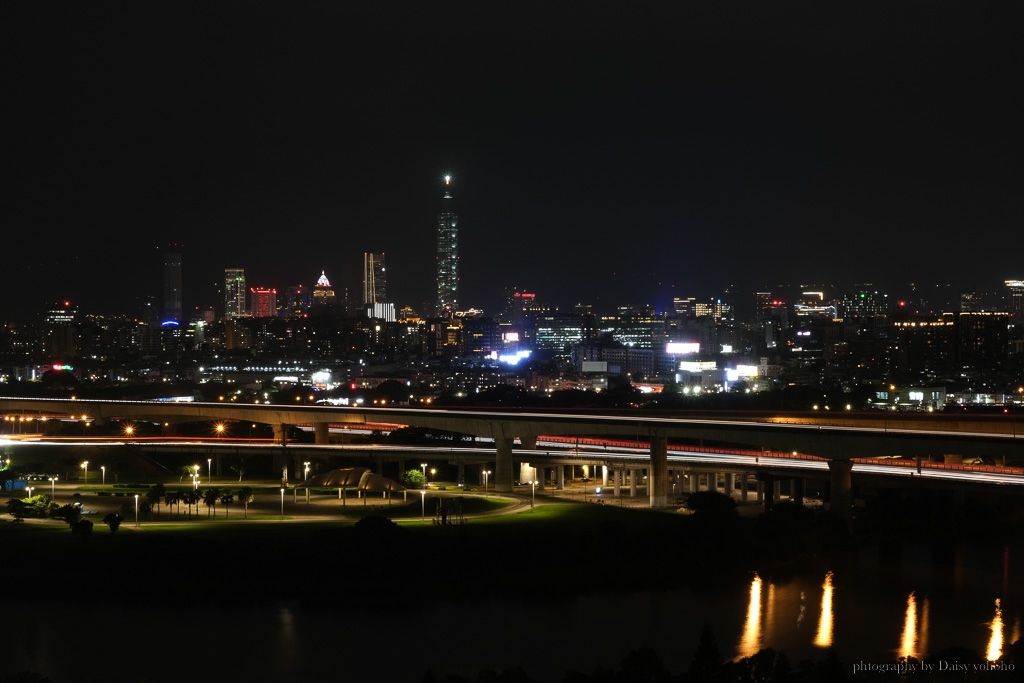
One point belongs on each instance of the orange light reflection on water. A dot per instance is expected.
(824, 637)
(750, 642)
(995, 641)
(908, 643)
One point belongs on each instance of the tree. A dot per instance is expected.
(190, 497)
(172, 497)
(210, 498)
(246, 496)
(711, 503)
(154, 494)
(113, 520)
(707, 660)
(241, 468)
(414, 479)
(226, 499)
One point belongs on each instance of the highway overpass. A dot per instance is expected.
(838, 439)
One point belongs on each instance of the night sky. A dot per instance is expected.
(606, 153)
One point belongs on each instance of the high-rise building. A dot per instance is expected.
(324, 301)
(762, 305)
(447, 255)
(172, 283)
(1015, 298)
(234, 293)
(298, 301)
(264, 302)
(374, 281)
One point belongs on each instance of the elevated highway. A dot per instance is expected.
(837, 439)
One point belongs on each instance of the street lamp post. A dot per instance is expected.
(103, 470)
(136, 510)
(433, 474)
(423, 466)
(282, 503)
(423, 504)
(29, 490)
(486, 472)
(305, 475)
(209, 469)
(85, 466)
(196, 477)
(533, 492)
(53, 493)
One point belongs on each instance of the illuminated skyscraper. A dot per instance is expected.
(374, 280)
(447, 255)
(264, 302)
(1015, 297)
(234, 293)
(172, 283)
(324, 301)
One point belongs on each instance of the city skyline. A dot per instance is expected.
(610, 156)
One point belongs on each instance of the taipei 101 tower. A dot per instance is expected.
(447, 255)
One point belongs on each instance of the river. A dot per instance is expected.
(874, 606)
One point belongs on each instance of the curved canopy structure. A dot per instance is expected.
(359, 478)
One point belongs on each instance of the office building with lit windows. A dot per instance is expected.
(374, 279)
(172, 283)
(264, 302)
(447, 255)
(234, 293)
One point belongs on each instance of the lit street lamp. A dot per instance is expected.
(533, 492)
(486, 472)
(433, 474)
(29, 489)
(209, 469)
(423, 465)
(85, 466)
(282, 503)
(423, 504)
(52, 489)
(136, 510)
(305, 475)
(103, 469)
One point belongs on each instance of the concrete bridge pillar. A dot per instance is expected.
(841, 490)
(604, 475)
(541, 474)
(771, 492)
(730, 483)
(616, 479)
(503, 465)
(657, 479)
(776, 491)
(796, 491)
(280, 433)
(401, 469)
(300, 474)
(713, 481)
(743, 487)
(632, 482)
(560, 474)
(694, 483)
(528, 442)
(322, 433)
(760, 491)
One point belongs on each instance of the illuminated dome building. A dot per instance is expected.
(324, 300)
